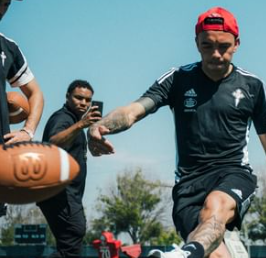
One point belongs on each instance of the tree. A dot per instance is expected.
(133, 206)
(15, 215)
(167, 238)
(255, 220)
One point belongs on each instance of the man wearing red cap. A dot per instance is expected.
(213, 103)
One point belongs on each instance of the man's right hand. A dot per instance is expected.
(116, 121)
(90, 117)
(97, 144)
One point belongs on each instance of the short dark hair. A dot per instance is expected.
(79, 84)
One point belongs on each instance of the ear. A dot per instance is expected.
(237, 43)
(197, 42)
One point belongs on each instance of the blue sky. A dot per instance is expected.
(121, 47)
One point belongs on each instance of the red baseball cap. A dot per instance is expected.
(217, 18)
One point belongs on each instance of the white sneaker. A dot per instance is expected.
(175, 253)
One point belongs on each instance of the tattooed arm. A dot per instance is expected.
(116, 121)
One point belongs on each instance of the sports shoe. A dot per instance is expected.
(175, 253)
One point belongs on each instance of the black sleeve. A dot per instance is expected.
(259, 114)
(18, 64)
(58, 122)
(160, 91)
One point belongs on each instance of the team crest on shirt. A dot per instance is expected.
(3, 57)
(238, 94)
(190, 100)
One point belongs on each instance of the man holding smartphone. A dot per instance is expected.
(65, 128)
(98, 104)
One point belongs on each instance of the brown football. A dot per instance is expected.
(18, 107)
(34, 171)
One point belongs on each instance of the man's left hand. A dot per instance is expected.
(17, 136)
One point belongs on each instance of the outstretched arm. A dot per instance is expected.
(116, 121)
(65, 138)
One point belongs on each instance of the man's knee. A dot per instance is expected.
(220, 205)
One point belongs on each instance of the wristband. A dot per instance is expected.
(29, 132)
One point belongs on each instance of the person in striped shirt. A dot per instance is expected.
(15, 70)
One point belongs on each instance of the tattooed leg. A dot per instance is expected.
(219, 209)
(209, 233)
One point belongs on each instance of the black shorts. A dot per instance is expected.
(189, 196)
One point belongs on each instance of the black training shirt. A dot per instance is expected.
(59, 121)
(212, 119)
(14, 69)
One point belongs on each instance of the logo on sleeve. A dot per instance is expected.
(238, 94)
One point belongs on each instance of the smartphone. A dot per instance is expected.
(99, 104)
